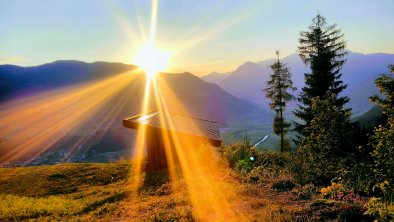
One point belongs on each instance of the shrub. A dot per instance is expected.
(351, 206)
(314, 168)
(325, 150)
(263, 174)
(238, 155)
(328, 210)
(321, 202)
(351, 198)
(243, 157)
(305, 192)
(322, 210)
(333, 190)
(350, 211)
(283, 185)
(359, 178)
(347, 205)
(379, 210)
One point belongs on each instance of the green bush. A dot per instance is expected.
(325, 151)
(379, 210)
(243, 157)
(238, 155)
(359, 178)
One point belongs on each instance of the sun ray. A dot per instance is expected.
(30, 126)
(201, 173)
(138, 153)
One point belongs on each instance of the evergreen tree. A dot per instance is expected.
(383, 139)
(278, 91)
(323, 49)
(326, 148)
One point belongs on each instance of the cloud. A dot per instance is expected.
(11, 59)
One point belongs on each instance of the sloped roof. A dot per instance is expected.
(179, 123)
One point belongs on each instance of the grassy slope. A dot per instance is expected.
(99, 192)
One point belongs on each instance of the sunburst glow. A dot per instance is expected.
(151, 59)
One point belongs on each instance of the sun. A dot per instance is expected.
(152, 60)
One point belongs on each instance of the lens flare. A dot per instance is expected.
(151, 60)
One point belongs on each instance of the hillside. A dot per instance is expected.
(101, 192)
(246, 81)
(370, 118)
(101, 136)
(17, 80)
(359, 73)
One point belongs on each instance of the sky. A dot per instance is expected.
(201, 36)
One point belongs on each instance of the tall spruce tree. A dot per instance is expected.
(278, 91)
(322, 48)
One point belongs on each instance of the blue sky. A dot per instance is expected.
(203, 36)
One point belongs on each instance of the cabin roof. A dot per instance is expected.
(177, 122)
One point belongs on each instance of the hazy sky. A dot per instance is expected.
(203, 36)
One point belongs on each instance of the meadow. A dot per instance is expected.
(100, 192)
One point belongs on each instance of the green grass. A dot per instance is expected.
(61, 192)
(22, 207)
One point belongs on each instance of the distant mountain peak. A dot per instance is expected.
(247, 66)
(64, 62)
(67, 61)
(215, 77)
(248, 63)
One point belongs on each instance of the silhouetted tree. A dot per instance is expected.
(322, 47)
(278, 91)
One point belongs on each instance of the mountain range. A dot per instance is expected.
(198, 98)
(359, 73)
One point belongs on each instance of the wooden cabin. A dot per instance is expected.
(186, 127)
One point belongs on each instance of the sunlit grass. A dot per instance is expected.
(20, 207)
(94, 192)
(62, 192)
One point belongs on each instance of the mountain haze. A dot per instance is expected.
(359, 73)
(215, 77)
